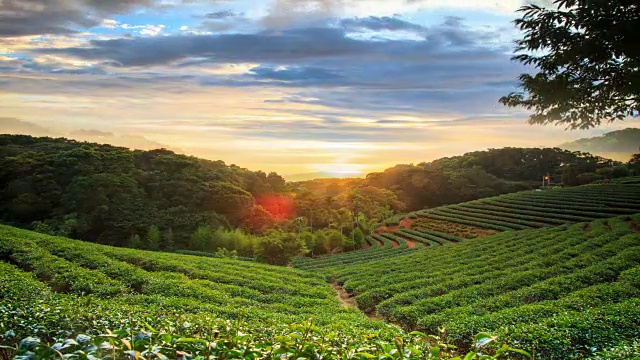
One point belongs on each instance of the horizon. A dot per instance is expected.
(296, 87)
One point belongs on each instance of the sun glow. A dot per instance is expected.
(342, 169)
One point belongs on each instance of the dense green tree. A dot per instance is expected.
(106, 193)
(151, 240)
(135, 242)
(321, 243)
(309, 240)
(335, 239)
(201, 239)
(279, 248)
(587, 57)
(168, 243)
(233, 240)
(634, 164)
(570, 176)
(358, 238)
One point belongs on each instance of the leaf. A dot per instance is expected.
(126, 343)
(522, 352)
(365, 355)
(190, 340)
(470, 356)
(483, 339)
(418, 333)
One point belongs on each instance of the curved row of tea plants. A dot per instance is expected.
(432, 238)
(360, 256)
(539, 209)
(564, 292)
(61, 298)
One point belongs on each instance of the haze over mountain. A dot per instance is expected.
(16, 126)
(618, 145)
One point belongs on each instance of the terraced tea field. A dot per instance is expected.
(382, 246)
(538, 209)
(550, 280)
(560, 291)
(54, 287)
(452, 224)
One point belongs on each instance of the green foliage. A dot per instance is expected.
(152, 239)
(480, 174)
(335, 239)
(104, 194)
(125, 303)
(236, 340)
(201, 238)
(309, 240)
(279, 248)
(168, 244)
(535, 209)
(359, 239)
(321, 243)
(586, 56)
(563, 292)
(135, 242)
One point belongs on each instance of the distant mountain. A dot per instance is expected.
(617, 145)
(15, 126)
(315, 176)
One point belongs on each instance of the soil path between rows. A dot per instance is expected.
(345, 299)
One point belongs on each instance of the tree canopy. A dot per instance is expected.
(588, 62)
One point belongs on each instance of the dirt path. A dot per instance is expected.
(345, 299)
(406, 222)
(410, 243)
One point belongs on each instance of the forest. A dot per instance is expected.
(160, 200)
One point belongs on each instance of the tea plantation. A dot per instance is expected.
(560, 280)
(62, 298)
(562, 292)
(537, 209)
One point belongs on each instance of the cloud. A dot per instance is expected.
(38, 17)
(452, 71)
(287, 13)
(294, 74)
(380, 23)
(284, 47)
(152, 30)
(109, 23)
(221, 15)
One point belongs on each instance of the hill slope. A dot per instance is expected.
(452, 224)
(618, 145)
(561, 291)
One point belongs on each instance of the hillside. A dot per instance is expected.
(531, 288)
(162, 200)
(618, 145)
(109, 194)
(452, 224)
(81, 299)
(562, 292)
(554, 271)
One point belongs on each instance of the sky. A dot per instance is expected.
(331, 87)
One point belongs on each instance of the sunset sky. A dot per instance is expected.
(294, 86)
